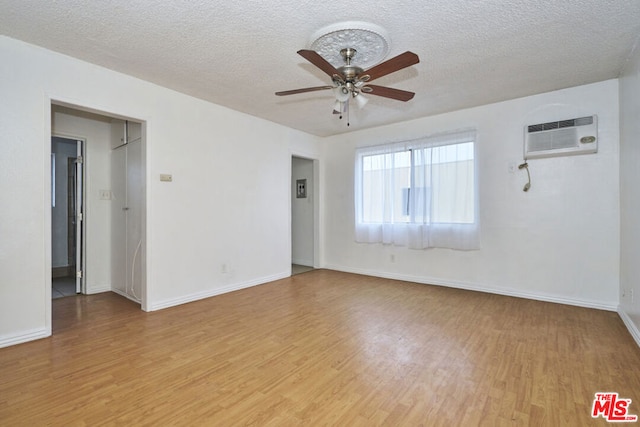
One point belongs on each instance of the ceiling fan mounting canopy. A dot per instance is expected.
(371, 40)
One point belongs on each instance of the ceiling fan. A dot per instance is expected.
(350, 81)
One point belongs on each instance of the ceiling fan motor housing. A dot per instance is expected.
(350, 72)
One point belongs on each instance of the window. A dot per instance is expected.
(419, 193)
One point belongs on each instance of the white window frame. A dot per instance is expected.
(425, 232)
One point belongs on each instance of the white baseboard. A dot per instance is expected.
(126, 295)
(213, 292)
(633, 329)
(479, 288)
(34, 334)
(98, 289)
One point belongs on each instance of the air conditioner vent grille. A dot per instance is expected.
(561, 138)
(581, 121)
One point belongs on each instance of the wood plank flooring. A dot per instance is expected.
(321, 348)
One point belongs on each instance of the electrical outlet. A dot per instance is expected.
(392, 258)
(105, 194)
(631, 294)
(224, 269)
(624, 292)
(512, 167)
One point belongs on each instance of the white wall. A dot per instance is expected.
(228, 203)
(629, 194)
(95, 131)
(219, 227)
(302, 210)
(558, 242)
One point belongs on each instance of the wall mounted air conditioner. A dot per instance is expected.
(562, 138)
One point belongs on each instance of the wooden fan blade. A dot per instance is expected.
(317, 60)
(388, 92)
(396, 63)
(306, 89)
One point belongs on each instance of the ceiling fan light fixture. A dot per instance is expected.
(341, 93)
(337, 107)
(361, 100)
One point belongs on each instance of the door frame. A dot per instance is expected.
(79, 200)
(49, 101)
(317, 259)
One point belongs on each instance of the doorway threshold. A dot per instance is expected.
(299, 269)
(63, 287)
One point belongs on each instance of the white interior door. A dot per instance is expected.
(118, 219)
(134, 219)
(126, 226)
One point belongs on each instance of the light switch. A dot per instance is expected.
(165, 177)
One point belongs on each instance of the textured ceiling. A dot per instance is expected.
(239, 53)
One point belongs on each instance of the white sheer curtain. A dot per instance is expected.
(420, 193)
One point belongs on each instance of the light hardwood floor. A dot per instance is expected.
(321, 348)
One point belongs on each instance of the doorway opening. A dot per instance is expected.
(109, 210)
(304, 213)
(67, 210)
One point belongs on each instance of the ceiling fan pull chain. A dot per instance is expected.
(346, 107)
